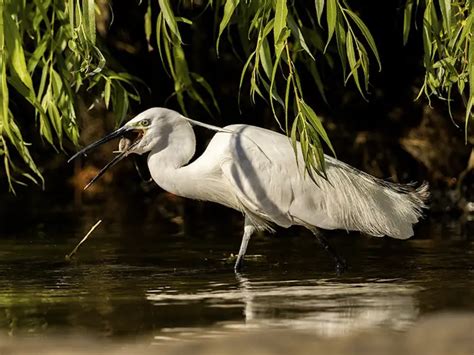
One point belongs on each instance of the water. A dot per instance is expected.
(165, 273)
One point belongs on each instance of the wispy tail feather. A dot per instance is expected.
(374, 206)
(422, 194)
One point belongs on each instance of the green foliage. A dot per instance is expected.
(50, 55)
(278, 43)
(274, 62)
(53, 42)
(448, 42)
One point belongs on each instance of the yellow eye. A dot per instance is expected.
(145, 123)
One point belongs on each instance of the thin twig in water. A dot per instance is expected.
(74, 251)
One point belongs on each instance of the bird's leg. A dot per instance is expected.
(341, 264)
(248, 231)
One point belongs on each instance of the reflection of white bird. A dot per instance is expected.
(254, 170)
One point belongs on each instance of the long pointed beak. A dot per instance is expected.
(113, 162)
(115, 134)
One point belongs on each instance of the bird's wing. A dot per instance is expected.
(260, 176)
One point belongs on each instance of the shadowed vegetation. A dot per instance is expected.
(52, 56)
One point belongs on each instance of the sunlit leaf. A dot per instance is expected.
(367, 35)
(37, 54)
(107, 93)
(319, 9)
(287, 101)
(88, 16)
(266, 58)
(469, 112)
(331, 16)
(351, 57)
(316, 122)
(170, 18)
(13, 43)
(4, 99)
(281, 13)
(445, 7)
(244, 71)
(229, 8)
(148, 26)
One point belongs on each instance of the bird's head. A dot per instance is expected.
(144, 132)
(138, 136)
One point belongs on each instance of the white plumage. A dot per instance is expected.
(254, 170)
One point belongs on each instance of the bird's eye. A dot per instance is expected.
(145, 123)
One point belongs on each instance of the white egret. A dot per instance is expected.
(254, 170)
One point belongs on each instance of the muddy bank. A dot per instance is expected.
(447, 333)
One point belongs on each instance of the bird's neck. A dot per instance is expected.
(166, 160)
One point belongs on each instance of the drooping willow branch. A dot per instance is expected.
(448, 41)
(55, 43)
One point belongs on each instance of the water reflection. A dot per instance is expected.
(172, 280)
(325, 307)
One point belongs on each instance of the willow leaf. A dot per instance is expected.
(293, 137)
(181, 66)
(316, 122)
(30, 177)
(445, 6)
(55, 117)
(88, 16)
(120, 103)
(468, 117)
(278, 53)
(38, 54)
(20, 145)
(341, 45)
(331, 17)
(266, 58)
(427, 35)
(71, 14)
(353, 62)
(287, 101)
(4, 119)
(407, 15)
(169, 17)
(148, 26)
(471, 66)
(14, 47)
(107, 93)
(229, 8)
(275, 96)
(467, 29)
(159, 26)
(304, 143)
(470, 103)
(367, 35)
(242, 75)
(319, 10)
(295, 29)
(281, 13)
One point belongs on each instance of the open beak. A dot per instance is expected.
(119, 133)
(115, 134)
